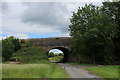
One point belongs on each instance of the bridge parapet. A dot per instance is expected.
(49, 43)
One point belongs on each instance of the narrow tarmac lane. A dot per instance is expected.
(76, 72)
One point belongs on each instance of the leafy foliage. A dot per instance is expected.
(51, 54)
(30, 54)
(23, 51)
(92, 31)
(113, 9)
(10, 45)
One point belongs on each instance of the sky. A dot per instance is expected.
(38, 19)
(55, 51)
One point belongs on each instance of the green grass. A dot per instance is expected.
(49, 70)
(79, 64)
(105, 71)
(56, 58)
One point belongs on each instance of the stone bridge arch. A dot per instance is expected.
(65, 51)
(61, 43)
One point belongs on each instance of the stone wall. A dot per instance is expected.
(49, 43)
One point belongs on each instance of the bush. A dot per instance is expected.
(30, 54)
(10, 45)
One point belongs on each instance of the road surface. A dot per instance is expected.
(77, 72)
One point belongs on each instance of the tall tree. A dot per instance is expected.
(90, 28)
(113, 10)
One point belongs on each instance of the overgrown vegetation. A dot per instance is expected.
(28, 61)
(38, 65)
(96, 34)
(21, 50)
(30, 55)
(48, 70)
(9, 46)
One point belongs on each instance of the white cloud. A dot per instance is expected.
(20, 36)
(54, 15)
(21, 18)
(17, 35)
(54, 0)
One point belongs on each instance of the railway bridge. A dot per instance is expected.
(61, 43)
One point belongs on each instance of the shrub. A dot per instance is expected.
(30, 54)
(10, 45)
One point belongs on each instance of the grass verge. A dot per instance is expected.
(105, 71)
(49, 70)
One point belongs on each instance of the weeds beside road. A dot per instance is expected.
(42, 70)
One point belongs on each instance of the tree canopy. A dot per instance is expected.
(9, 46)
(93, 31)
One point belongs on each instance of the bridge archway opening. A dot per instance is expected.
(61, 54)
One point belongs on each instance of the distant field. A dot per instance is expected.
(50, 70)
(56, 58)
(105, 71)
